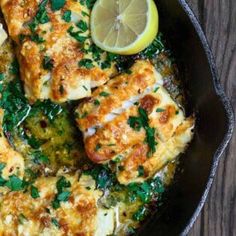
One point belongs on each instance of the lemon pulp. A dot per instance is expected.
(124, 26)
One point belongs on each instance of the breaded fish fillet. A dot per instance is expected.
(54, 50)
(134, 122)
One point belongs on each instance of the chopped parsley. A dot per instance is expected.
(96, 102)
(57, 4)
(40, 158)
(41, 16)
(156, 47)
(82, 25)
(146, 191)
(140, 171)
(85, 88)
(77, 35)
(95, 51)
(34, 192)
(102, 175)
(85, 13)
(14, 103)
(62, 193)
(88, 3)
(1, 76)
(67, 16)
(2, 166)
(49, 109)
(47, 63)
(36, 38)
(140, 214)
(22, 219)
(156, 89)
(104, 94)
(142, 121)
(98, 147)
(87, 63)
(159, 110)
(63, 196)
(15, 183)
(55, 222)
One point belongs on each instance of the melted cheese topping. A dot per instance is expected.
(79, 216)
(108, 134)
(51, 40)
(115, 93)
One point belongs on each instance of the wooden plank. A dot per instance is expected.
(218, 19)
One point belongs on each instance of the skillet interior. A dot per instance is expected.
(214, 121)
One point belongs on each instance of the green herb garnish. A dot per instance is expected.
(47, 63)
(22, 219)
(159, 110)
(34, 192)
(77, 35)
(140, 214)
(41, 16)
(62, 194)
(55, 222)
(98, 147)
(67, 16)
(57, 4)
(140, 171)
(36, 38)
(87, 63)
(96, 102)
(88, 3)
(15, 183)
(1, 76)
(155, 48)
(82, 25)
(104, 94)
(142, 121)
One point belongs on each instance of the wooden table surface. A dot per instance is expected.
(218, 19)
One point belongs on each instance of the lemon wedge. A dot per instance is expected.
(124, 27)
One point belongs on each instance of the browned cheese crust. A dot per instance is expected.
(66, 80)
(110, 136)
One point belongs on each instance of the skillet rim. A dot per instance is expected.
(229, 113)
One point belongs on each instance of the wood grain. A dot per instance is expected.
(218, 19)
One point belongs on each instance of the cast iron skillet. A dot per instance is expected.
(214, 127)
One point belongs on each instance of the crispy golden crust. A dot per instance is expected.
(66, 80)
(117, 135)
(110, 135)
(119, 89)
(113, 138)
(166, 152)
(79, 216)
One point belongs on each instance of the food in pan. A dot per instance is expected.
(97, 165)
(51, 41)
(133, 121)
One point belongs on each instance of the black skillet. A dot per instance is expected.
(215, 121)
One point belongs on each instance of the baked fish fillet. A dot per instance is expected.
(133, 121)
(57, 58)
(20, 214)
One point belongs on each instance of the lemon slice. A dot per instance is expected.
(124, 27)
